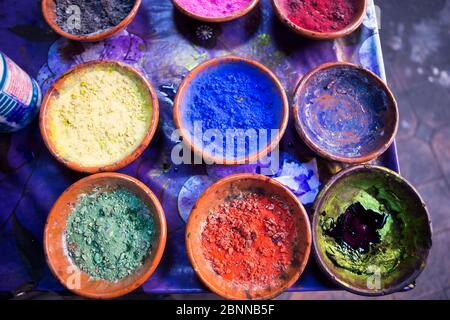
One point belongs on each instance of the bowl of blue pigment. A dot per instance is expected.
(345, 113)
(231, 110)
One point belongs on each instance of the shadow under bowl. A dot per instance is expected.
(405, 238)
(345, 113)
(57, 256)
(53, 91)
(361, 6)
(221, 192)
(49, 12)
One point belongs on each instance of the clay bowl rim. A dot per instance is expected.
(158, 214)
(357, 21)
(177, 113)
(230, 17)
(298, 92)
(126, 160)
(318, 256)
(93, 37)
(265, 180)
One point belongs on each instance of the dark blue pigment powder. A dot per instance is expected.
(345, 111)
(233, 95)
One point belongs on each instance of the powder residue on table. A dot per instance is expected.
(95, 16)
(250, 239)
(320, 15)
(109, 233)
(232, 96)
(99, 116)
(213, 8)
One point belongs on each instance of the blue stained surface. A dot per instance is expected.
(166, 46)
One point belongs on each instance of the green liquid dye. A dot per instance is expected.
(109, 234)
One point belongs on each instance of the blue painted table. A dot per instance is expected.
(165, 45)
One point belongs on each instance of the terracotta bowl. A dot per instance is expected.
(233, 16)
(53, 90)
(345, 113)
(179, 110)
(62, 265)
(217, 194)
(358, 19)
(413, 227)
(48, 10)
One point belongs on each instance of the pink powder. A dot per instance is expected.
(213, 8)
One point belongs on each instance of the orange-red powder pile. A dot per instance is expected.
(320, 15)
(250, 240)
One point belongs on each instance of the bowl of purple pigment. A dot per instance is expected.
(371, 231)
(215, 10)
(90, 20)
(231, 110)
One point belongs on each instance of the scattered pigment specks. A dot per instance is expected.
(345, 112)
(94, 16)
(109, 234)
(100, 115)
(249, 240)
(232, 97)
(213, 8)
(320, 15)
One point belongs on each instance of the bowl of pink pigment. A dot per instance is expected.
(321, 19)
(345, 113)
(215, 10)
(231, 110)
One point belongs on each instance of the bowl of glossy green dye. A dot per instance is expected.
(105, 235)
(371, 231)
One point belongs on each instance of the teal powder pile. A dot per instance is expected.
(109, 234)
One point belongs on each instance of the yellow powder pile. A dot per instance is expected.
(99, 116)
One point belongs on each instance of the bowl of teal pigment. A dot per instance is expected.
(231, 110)
(215, 10)
(371, 231)
(345, 113)
(321, 19)
(105, 236)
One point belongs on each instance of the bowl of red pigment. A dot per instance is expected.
(89, 21)
(215, 10)
(371, 231)
(105, 236)
(248, 237)
(345, 113)
(321, 19)
(231, 110)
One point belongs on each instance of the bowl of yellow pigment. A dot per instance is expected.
(99, 116)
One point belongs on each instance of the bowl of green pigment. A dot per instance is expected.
(105, 236)
(371, 231)
(231, 110)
